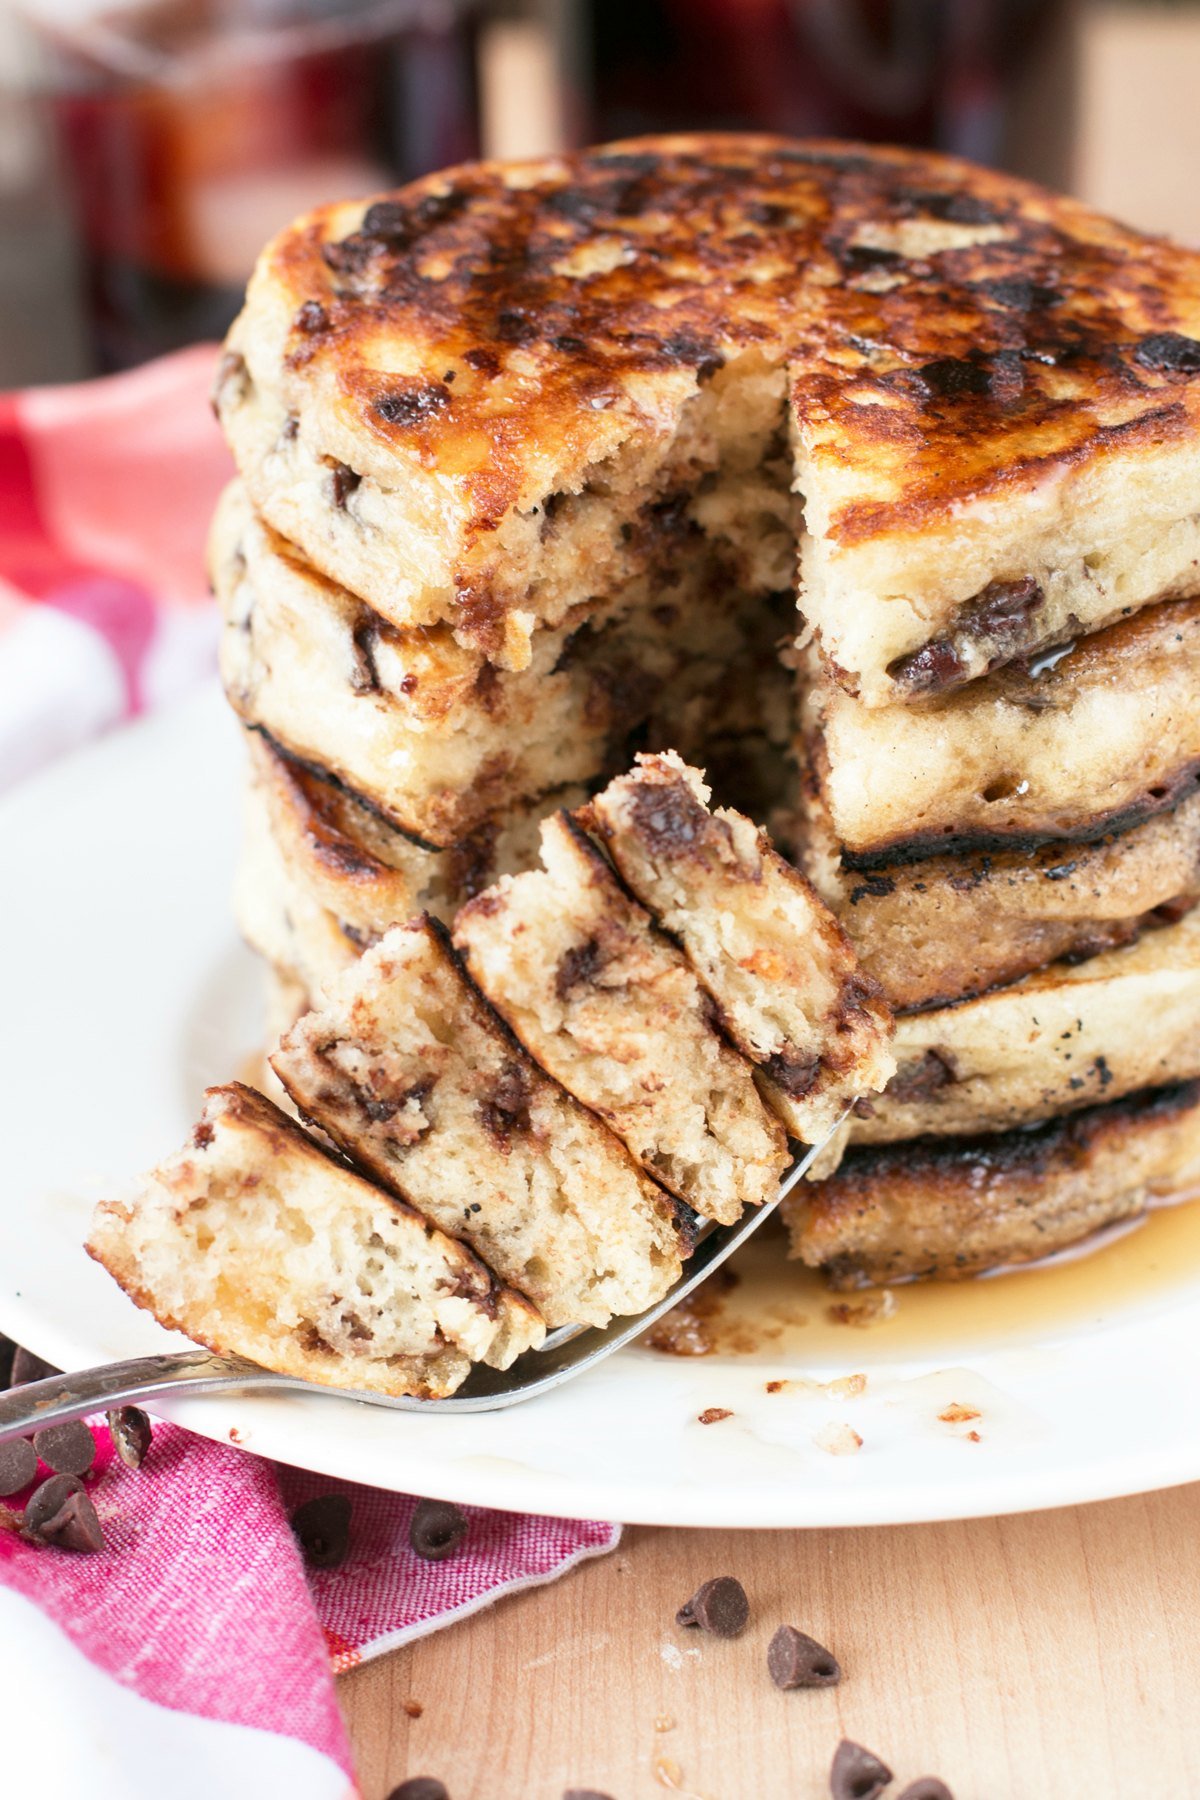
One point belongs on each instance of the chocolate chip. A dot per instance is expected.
(957, 208)
(703, 355)
(578, 967)
(926, 1787)
(396, 222)
(795, 1075)
(584, 1794)
(950, 377)
(311, 317)
(797, 1661)
(934, 1070)
(343, 481)
(386, 219)
(1170, 351)
(74, 1526)
(349, 256)
(27, 1367)
(68, 1449)
(7, 1351)
(18, 1465)
(45, 1500)
(870, 256)
(420, 1787)
(514, 326)
(934, 667)
(322, 1528)
(484, 362)
(856, 1774)
(129, 1429)
(410, 406)
(1019, 294)
(437, 1529)
(720, 1606)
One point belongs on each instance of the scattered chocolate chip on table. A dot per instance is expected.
(718, 1606)
(130, 1431)
(796, 1660)
(60, 1513)
(857, 1773)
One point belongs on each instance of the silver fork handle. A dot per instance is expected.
(62, 1397)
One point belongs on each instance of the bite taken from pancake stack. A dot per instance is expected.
(605, 526)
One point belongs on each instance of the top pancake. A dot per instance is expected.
(986, 384)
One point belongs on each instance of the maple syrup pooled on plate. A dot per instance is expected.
(767, 1309)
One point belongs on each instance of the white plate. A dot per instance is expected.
(125, 991)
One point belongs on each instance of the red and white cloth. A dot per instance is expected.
(195, 1657)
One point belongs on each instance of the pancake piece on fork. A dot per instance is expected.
(611, 1007)
(786, 984)
(257, 1243)
(406, 1067)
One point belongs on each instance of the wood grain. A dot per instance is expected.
(1048, 1654)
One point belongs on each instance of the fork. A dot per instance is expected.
(562, 1356)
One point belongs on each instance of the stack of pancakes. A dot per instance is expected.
(536, 462)
(1036, 937)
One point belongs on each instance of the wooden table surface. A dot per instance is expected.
(1050, 1656)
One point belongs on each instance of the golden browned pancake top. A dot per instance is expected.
(949, 330)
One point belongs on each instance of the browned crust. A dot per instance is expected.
(976, 373)
(312, 796)
(951, 928)
(955, 1206)
(1162, 798)
(1077, 944)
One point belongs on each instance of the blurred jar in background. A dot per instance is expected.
(191, 130)
(925, 72)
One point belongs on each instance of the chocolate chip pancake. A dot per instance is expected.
(322, 876)
(408, 1069)
(953, 1207)
(947, 928)
(785, 983)
(459, 399)
(431, 735)
(1107, 736)
(611, 1007)
(1062, 1038)
(257, 1243)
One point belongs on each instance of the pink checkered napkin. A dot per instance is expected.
(194, 1658)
